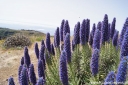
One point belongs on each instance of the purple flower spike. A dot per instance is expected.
(91, 38)
(115, 38)
(63, 69)
(40, 81)
(96, 39)
(109, 80)
(66, 29)
(104, 30)
(19, 72)
(24, 76)
(87, 29)
(48, 42)
(61, 30)
(122, 72)
(82, 33)
(37, 50)
(124, 46)
(123, 31)
(94, 62)
(32, 75)
(11, 81)
(76, 33)
(99, 26)
(26, 57)
(57, 38)
(42, 43)
(112, 28)
(41, 53)
(93, 29)
(67, 47)
(109, 32)
(22, 61)
(52, 49)
(41, 69)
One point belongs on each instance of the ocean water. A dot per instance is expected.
(44, 29)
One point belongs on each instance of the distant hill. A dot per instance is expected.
(6, 32)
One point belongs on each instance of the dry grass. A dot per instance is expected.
(10, 61)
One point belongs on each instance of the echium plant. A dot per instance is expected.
(26, 57)
(57, 38)
(113, 28)
(122, 72)
(82, 33)
(61, 30)
(32, 76)
(96, 39)
(110, 78)
(24, 76)
(87, 29)
(66, 29)
(123, 32)
(94, 61)
(63, 68)
(104, 30)
(67, 47)
(115, 38)
(48, 42)
(11, 81)
(124, 46)
(76, 33)
(37, 50)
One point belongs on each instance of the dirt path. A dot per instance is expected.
(10, 61)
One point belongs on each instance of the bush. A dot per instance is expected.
(17, 40)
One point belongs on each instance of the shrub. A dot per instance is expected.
(17, 40)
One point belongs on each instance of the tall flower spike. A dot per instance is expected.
(96, 39)
(41, 69)
(24, 76)
(124, 46)
(32, 75)
(112, 28)
(52, 49)
(94, 62)
(73, 45)
(41, 54)
(104, 30)
(99, 26)
(76, 33)
(26, 57)
(67, 47)
(22, 61)
(115, 38)
(48, 42)
(82, 33)
(122, 72)
(19, 72)
(37, 50)
(57, 38)
(87, 29)
(91, 39)
(42, 43)
(123, 31)
(66, 29)
(40, 81)
(63, 68)
(93, 29)
(109, 80)
(61, 30)
(11, 81)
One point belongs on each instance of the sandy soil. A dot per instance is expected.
(10, 62)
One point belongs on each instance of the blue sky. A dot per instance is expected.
(51, 12)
